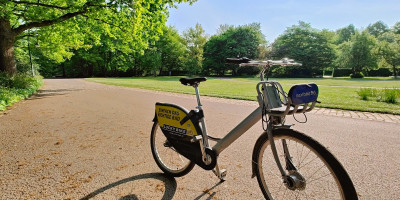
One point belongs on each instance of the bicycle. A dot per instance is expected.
(285, 161)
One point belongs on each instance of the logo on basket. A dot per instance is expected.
(174, 129)
(305, 94)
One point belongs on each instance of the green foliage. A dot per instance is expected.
(365, 93)
(357, 75)
(248, 70)
(381, 95)
(345, 34)
(378, 28)
(358, 53)
(194, 40)
(396, 28)
(381, 72)
(306, 45)
(342, 72)
(171, 50)
(391, 95)
(14, 88)
(389, 50)
(61, 27)
(241, 41)
(164, 55)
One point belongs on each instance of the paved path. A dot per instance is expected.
(358, 115)
(82, 140)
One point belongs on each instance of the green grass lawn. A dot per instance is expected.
(338, 93)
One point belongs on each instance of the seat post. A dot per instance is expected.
(196, 89)
(202, 121)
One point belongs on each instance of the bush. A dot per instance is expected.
(248, 70)
(365, 93)
(382, 95)
(357, 75)
(390, 96)
(14, 88)
(380, 72)
(342, 72)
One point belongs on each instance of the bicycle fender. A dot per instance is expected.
(155, 117)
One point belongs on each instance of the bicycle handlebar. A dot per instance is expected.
(265, 63)
(237, 60)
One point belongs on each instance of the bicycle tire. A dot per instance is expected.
(327, 179)
(167, 159)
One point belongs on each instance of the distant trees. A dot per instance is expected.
(378, 28)
(306, 45)
(117, 38)
(240, 41)
(358, 50)
(345, 34)
(358, 53)
(194, 39)
(389, 50)
(163, 56)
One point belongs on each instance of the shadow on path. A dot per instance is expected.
(208, 192)
(170, 186)
(49, 93)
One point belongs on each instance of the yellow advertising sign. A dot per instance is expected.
(169, 118)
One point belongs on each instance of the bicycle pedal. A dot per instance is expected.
(196, 138)
(222, 174)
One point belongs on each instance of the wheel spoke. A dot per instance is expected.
(166, 156)
(312, 166)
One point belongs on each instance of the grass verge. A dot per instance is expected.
(338, 93)
(16, 88)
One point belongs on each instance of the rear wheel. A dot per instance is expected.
(166, 157)
(313, 172)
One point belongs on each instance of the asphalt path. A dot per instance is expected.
(81, 140)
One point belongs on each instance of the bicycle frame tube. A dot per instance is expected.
(202, 121)
(239, 130)
(242, 127)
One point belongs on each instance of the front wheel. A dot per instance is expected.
(167, 158)
(312, 171)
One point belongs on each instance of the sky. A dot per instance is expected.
(275, 16)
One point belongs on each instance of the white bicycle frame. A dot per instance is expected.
(266, 99)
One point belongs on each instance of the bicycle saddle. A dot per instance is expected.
(192, 81)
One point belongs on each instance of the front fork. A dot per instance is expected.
(293, 180)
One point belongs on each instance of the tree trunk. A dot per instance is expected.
(64, 75)
(7, 38)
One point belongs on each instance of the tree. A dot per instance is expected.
(306, 45)
(358, 53)
(241, 41)
(62, 25)
(194, 39)
(389, 49)
(214, 55)
(396, 28)
(223, 28)
(345, 34)
(378, 28)
(171, 49)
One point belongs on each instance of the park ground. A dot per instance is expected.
(82, 140)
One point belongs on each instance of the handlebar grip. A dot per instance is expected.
(237, 60)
